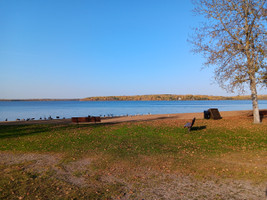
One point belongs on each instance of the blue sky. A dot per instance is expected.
(82, 48)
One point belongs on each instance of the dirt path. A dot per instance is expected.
(138, 183)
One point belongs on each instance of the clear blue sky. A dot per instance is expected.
(82, 48)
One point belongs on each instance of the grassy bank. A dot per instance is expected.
(229, 148)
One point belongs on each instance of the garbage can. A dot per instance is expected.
(206, 114)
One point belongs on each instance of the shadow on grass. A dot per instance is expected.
(198, 128)
(124, 121)
(13, 131)
(70, 123)
(20, 130)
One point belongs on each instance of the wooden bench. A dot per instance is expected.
(263, 113)
(85, 119)
(189, 125)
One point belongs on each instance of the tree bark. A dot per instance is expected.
(254, 97)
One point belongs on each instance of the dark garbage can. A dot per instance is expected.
(206, 114)
(214, 113)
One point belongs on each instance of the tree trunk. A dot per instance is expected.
(254, 97)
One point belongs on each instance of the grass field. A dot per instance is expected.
(223, 159)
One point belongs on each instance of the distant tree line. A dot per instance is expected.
(169, 97)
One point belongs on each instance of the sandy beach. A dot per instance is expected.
(224, 114)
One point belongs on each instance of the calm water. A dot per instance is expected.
(36, 109)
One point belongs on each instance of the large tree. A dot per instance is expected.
(232, 37)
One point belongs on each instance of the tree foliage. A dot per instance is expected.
(233, 37)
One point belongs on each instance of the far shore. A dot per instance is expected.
(187, 116)
(152, 97)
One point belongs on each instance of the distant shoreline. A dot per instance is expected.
(158, 97)
(170, 97)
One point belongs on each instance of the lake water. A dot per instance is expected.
(12, 110)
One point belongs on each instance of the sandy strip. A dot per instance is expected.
(224, 114)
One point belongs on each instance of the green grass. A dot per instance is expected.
(128, 140)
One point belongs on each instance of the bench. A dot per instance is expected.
(85, 119)
(189, 125)
(263, 113)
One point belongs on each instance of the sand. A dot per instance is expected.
(224, 114)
